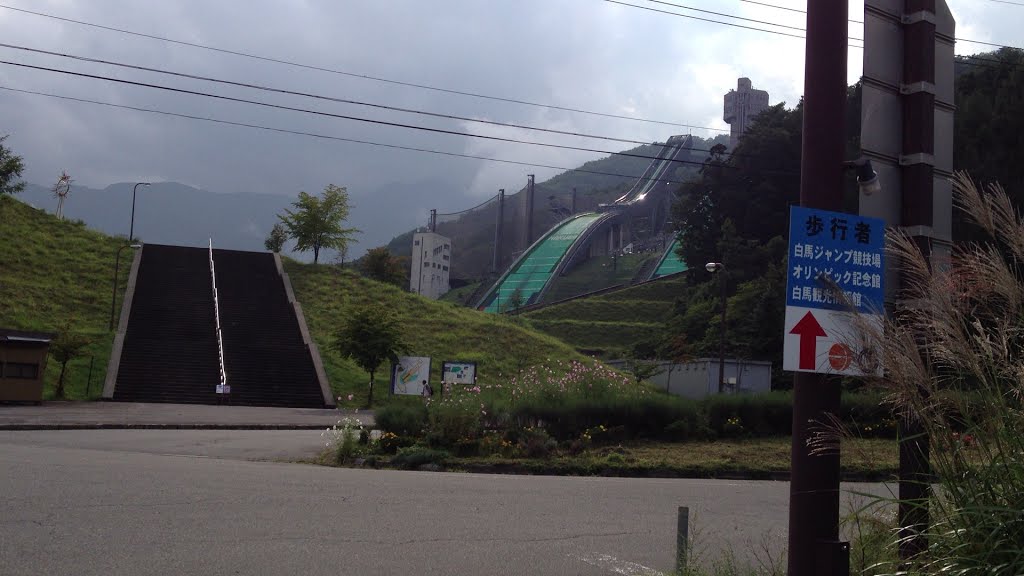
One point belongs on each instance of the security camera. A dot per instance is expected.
(867, 178)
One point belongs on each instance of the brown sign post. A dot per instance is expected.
(814, 547)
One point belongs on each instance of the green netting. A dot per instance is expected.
(531, 273)
(670, 263)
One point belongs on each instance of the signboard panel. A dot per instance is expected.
(409, 375)
(836, 270)
(458, 372)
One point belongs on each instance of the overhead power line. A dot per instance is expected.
(1010, 2)
(347, 73)
(680, 6)
(851, 20)
(773, 23)
(330, 137)
(780, 33)
(337, 116)
(340, 100)
(327, 98)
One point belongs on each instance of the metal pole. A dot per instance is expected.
(682, 538)
(814, 484)
(496, 261)
(721, 338)
(131, 230)
(88, 383)
(529, 211)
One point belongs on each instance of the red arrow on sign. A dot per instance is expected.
(808, 330)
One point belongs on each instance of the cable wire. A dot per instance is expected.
(323, 97)
(338, 116)
(346, 73)
(335, 138)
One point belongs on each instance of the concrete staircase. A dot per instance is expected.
(170, 352)
(170, 346)
(267, 362)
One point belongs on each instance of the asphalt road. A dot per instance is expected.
(189, 502)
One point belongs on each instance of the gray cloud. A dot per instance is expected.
(580, 53)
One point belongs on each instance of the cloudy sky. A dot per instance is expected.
(584, 54)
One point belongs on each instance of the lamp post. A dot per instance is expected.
(113, 295)
(131, 231)
(718, 267)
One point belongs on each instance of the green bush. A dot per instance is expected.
(769, 414)
(390, 443)
(453, 419)
(416, 456)
(402, 419)
(536, 443)
(638, 416)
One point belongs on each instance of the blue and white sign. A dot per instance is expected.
(836, 269)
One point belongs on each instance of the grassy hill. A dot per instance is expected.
(442, 330)
(52, 271)
(608, 325)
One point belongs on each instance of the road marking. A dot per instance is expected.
(616, 566)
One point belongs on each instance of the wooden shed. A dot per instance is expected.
(23, 364)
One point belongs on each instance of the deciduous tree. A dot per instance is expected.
(318, 221)
(379, 264)
(275, 241)
(369, 335)
(11, 167)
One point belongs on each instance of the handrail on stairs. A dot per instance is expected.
(222, 387)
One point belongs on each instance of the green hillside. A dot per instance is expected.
(53, 271)
(444, 331)
(609, 325)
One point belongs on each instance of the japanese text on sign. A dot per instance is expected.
(836, 260)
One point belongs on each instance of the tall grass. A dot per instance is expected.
(954, 363)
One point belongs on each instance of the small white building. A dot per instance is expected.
(431, 264)
(699, 378)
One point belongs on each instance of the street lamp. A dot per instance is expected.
(113, 295)
(714, 267)
(131, 231)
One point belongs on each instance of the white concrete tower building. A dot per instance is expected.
(741, 106)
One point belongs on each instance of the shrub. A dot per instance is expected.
(343, 438)
(457, 417)
(390, 443)
(769, 414)
(536, 443)
(644, 416)
(402, 419)
(416, 456)
(494, 444)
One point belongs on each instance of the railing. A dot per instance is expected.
(223, 387)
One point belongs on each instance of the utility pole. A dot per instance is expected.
(529, 211)
(918, 160)
(499, 221)
(814, 549)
